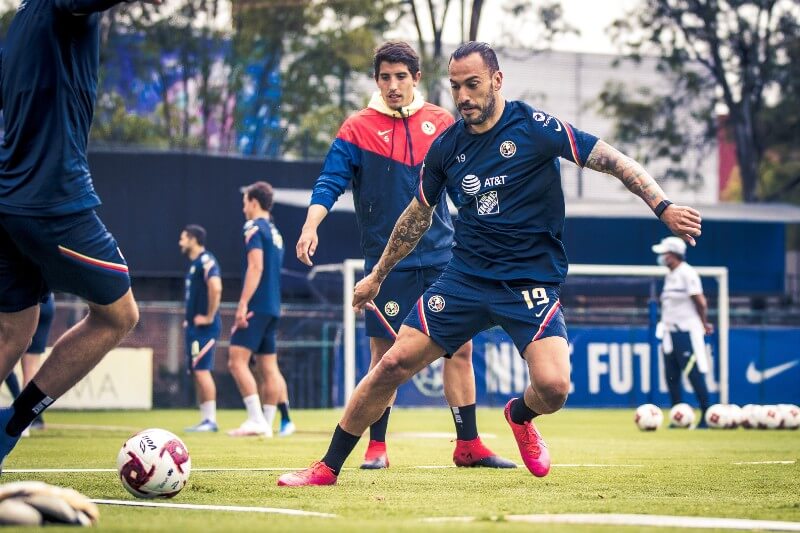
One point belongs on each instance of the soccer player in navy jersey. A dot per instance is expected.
(500, 166)
(50, 236)
(257, 318)
(380, 151)
(203, 324)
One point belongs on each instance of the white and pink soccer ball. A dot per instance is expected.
(769, 417)
(717, 416)
(681, 416)
(154, 463)
(735, 416)
(790, 414)
(750, 413)
(648, 417)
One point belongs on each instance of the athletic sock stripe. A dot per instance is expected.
(547, 318)
(382, 319)
(422, 321)
(203, 352)
(117, 267)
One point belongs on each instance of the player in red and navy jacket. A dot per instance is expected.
(379, 151)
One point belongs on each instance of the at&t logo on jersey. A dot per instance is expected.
(488, 203)
(436, 303)
(471, 184)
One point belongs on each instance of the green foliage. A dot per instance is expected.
(714, 54)
(666, 472)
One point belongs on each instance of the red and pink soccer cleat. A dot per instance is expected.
(376, 457)
(532, 447)
(317, 474)
(474, 453)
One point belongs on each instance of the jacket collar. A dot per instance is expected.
(377, 103)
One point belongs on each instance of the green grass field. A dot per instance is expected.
(667, 472)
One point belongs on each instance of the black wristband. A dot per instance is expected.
(661, 207)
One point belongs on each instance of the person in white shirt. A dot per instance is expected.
(684, 323)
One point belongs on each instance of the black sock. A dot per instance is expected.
(283, 407)
(520, 413)
(13, 385)
(30, 403)
(377, 431)
(341, 446)
(466, 425)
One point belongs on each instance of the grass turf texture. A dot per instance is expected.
(687, 473)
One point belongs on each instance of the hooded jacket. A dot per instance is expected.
(380, 151)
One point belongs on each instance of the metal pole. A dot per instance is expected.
(348, 279)
(724, 328)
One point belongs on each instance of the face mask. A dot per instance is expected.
(661, 260)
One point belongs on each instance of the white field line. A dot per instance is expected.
(229, 508)
(765, 463)
(697, 522)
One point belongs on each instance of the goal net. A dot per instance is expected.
(611, 313)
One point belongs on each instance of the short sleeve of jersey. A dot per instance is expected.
(252, 237)
(432, 178)
(210, 267)
(692, 280)
(561, 139)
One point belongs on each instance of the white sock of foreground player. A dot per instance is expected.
(253, 405)
(269, 413)
(208, 411)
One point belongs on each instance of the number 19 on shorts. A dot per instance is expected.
(534, 297)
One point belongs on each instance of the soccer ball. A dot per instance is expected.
(154, 463)
(735, 416)
(791, 415)
(648, 417)
(681, 416)
(770, 417)
(717, 416)
(750, 416)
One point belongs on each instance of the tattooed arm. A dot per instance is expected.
(408, 230)
(683, 221)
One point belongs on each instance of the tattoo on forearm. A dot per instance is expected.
(409, 229)
(605, 158)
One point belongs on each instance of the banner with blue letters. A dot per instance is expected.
(612, 367)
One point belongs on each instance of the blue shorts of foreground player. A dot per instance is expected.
(259, 335)
(71, 253)
(399, 292)
(201, 342)
(458, 306)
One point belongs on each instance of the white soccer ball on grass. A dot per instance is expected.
(154, 463)
(770, 417)
(648, 417)
(791, 415)
(717, 416)
(681, 415)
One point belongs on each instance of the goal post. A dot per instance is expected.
(351, 267)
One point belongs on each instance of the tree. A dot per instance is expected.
(727, 52)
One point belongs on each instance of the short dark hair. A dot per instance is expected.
(476, 47)
(395, 52)
(196, 231)
(262, 192)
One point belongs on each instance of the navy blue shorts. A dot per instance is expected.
(46, 311)
(399, 292)
(259, 335)
(71, 253)
(200, 344)
(458, 306)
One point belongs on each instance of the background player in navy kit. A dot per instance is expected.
(257, 316)
(50, 236)
(33, 356)
(384, 170)
(684, 321)
(500, 167)
(203, 323)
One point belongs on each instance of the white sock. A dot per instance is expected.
(269, 413)
(208, 411)
(253, 405)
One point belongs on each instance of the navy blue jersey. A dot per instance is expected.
(506, 184)
(203, 268)
(262, 234)
(48, 85)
